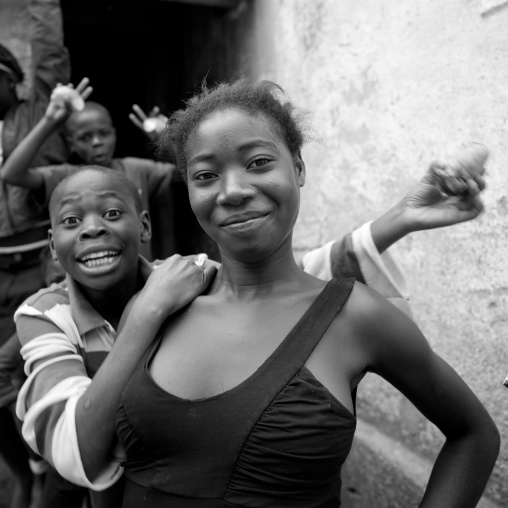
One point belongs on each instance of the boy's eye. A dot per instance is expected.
(204, 175)
(85, 138)
(70, 220)
(112, 214)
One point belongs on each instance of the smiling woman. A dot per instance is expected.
(243, 183)
(245, 397)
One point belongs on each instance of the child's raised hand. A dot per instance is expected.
(152, 124)
(65, 99)
(432, 203)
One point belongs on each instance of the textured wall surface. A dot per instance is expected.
(393, 85)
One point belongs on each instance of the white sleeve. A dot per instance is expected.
(380, 271)
(317, 262)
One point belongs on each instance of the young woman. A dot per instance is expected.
(245, 398)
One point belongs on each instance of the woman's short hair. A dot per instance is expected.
(263, 97)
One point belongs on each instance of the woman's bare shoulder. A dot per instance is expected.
(375, 328)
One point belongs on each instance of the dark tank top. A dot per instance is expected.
(278, 439)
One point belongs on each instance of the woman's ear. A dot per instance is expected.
(300, 169)
(146, 227)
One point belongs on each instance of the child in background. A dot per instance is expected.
(92, 137)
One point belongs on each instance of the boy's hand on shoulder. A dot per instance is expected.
(65, 99)
(176, 282)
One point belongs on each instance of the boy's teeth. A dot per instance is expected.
(90, 263)
(101, 254)
(99, 258)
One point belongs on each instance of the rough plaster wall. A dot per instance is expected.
(393, 85)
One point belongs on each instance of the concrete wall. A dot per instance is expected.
(393, 85)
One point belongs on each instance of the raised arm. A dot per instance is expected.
(50, 57)
(393, 347)
(362, 254)
(427, 207)
(16, 170)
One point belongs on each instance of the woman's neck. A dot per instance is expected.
(257, 277)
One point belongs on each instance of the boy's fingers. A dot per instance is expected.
(480, 181)
(135, 120)
(86, 93)
(82, 85)
(209, 271)
(141, 114)
(155, 111)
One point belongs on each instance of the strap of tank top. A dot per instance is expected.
(306, 334)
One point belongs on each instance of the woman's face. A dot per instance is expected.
(244, 184)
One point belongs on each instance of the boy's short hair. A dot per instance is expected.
(125, 183)
(10, 65)
(89, 106)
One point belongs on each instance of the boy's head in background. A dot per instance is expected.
(97, 227)
(91, 134)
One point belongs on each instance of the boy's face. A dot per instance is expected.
(92, 136)
(96, 231)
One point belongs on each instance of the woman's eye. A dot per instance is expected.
(112, 214)
(258, 163)
(70, 221)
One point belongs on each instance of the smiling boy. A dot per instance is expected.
(70, 331)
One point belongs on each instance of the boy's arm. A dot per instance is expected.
(50, 57)
(16, 170)
(362, 255)
(56, 379)
(176, 283)
(69, 419)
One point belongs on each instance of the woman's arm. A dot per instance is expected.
(393, 347)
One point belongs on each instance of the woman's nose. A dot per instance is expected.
(235, 188)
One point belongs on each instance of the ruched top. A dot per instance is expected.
(278, 439)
